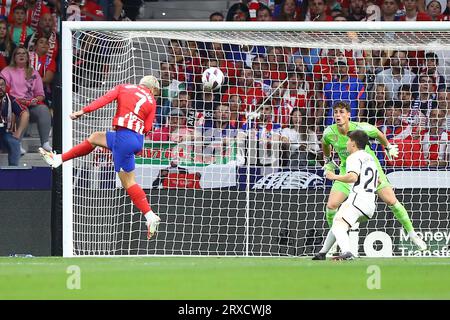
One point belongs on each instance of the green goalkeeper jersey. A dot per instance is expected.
(331, 136)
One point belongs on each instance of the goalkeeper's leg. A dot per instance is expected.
(386, 193)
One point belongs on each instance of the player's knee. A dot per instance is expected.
(332, 205)
(93, 138)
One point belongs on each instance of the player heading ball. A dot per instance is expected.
(136, 107)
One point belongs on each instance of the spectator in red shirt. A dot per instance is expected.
(435, 139)
(176, 57)
(277, 63)
(6, 45)
(412, 12)
(45, 65)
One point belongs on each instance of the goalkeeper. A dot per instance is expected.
(335, 136)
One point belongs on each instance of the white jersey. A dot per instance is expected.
(361, 201)
(363, 164)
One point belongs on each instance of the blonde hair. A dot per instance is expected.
(150, 82)
(28, 68)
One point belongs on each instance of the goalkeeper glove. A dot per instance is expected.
(392, 151)
(330, 165)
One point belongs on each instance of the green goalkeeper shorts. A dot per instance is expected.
(345, 187)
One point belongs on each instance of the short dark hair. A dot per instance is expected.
(396, 104)
(263, 7)
(405, 88)
(360, 138)
(217, 13)
(342, 105)
(432, 55)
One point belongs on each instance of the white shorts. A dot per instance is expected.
(357, 208)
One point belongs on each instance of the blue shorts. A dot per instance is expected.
(124, 144)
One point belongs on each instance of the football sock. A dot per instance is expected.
(330, 213)
(79, 150)
(401, 215)
(329, 241)
(339, 230)
(139, 198)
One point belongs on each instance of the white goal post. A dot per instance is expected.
(254, 198)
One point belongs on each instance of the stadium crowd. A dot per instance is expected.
(404, 93)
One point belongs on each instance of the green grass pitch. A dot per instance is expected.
(224, 278)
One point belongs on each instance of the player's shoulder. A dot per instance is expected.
(332, 129)
(365, 126)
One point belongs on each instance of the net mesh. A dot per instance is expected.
(226, 181)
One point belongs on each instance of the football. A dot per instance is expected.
(212, 79)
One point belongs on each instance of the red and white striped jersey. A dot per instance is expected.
(435, 147)
(136, 107)
(6, 6)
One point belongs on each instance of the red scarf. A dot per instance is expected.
(23, 35)
(33, 15)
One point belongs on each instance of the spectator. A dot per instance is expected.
(220, 137)
(376, 105)
(435, 140)
(170, 87)
(344, 88)
(277, 63)
(389, 10)
(238, 12)
(446, 14)
(263, 13)
(236, 117)
(19, 29)
(300, 141)
(290, 11)
(6, 45)
(425, 98)
(268, 138)
(176, 58)
(175, 130)
(297, 94)
(261, 73)
(35, 10)
(131, 9)
(216, 16)
(26, 86)
(356, 10)
(396, 75)
(14, 121)
(318, 11)
(411, 112)
(412, 12)
(47, 29)
(431, 69)
(435, 9)
(45, 65)
(205, 106)
(253, 91)
(401, 133)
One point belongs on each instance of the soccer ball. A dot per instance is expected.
(212, 79)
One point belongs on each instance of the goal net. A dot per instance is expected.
(238, 171)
